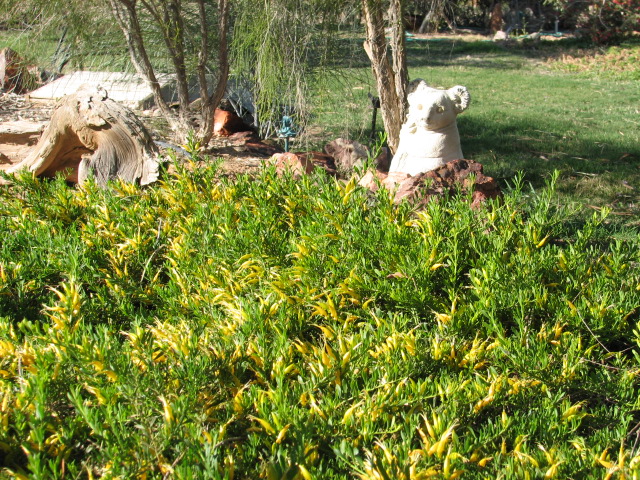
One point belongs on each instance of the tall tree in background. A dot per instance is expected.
(389, 68)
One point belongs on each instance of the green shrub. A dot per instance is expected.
(277, 328)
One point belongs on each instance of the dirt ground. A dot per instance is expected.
(237, 155)
(19, 107)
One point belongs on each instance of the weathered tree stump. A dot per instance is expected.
(91, 135)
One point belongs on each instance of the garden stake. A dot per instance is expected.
(375, 104)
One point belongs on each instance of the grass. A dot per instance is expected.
(529, 114)
(278, 328)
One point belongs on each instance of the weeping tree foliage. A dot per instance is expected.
(278, 48)
(436, 11)
(184, 38)
(78, 32)
(281, 48)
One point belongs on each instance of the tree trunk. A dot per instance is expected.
(126, 15)
(399, 53)
(168, 15)
(495, 20)
(390, 76)
(211, 102)
(92, 135)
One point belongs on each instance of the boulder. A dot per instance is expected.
(302, 163)
(298, 165)
(347, 154)
(458, 175)
(383, 160)
(373, 179)
(320, 160)
(501, 36)
(227, 123)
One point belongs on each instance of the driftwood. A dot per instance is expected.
(91, 135)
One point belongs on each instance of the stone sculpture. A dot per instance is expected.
(429, 137)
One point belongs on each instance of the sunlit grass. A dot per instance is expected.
(525, 117)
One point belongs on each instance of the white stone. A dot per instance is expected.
(129, 89)
(500, 36)
(429, 137)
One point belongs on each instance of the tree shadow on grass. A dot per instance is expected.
(349, 53)
(593, 171)
(445, 52)
(520, 145)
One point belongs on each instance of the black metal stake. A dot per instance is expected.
(375, 104)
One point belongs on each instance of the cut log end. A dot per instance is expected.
(90, 135)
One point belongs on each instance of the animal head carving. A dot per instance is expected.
(432, 108)
(460, 97)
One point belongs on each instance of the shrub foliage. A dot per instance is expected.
(277, 328)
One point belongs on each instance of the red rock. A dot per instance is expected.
(395, 179)
(302, 162)
(447, 180)
(320, 160)
(346, 153)
(452, 177)
(372, 180)
(368, 180)
(227, 123)
(383, 160)
(298, 165)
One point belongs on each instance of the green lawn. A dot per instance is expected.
(527, 115)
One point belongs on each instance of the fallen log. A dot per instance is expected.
(92, 135)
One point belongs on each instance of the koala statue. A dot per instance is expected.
(429, 137)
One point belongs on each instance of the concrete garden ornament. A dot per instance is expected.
(429, 137)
